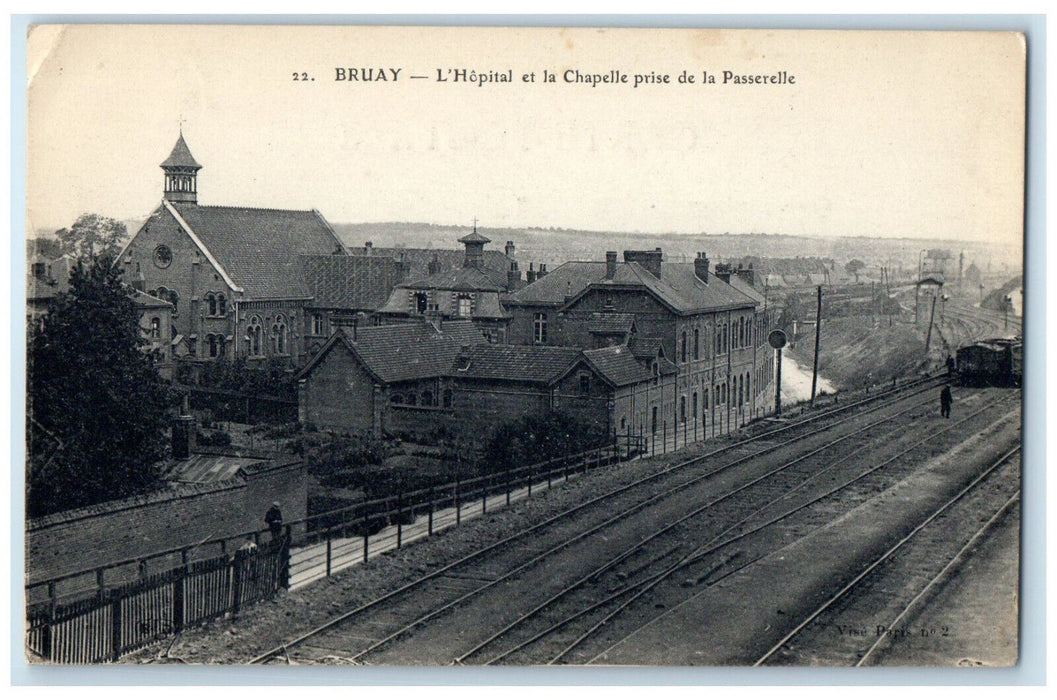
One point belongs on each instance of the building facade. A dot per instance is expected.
(714, 334)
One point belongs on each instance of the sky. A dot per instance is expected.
(887, 134)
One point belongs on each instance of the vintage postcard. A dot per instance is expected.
(422, 346)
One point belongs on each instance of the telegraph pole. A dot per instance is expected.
(928, 337)
(818, 335)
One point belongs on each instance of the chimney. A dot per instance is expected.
(513, 276)
(530, 276)
(509, 249)
(648, 259)
(701, 267)
(747, 274)
(184, 433)
(611, 264)
(434, 265)
(543, 270)
(367, 247)
(724, 271)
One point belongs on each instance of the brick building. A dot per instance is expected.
(713, 333)
(472, 291)
(245, 282)
(419, 379)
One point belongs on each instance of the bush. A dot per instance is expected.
(539, 438)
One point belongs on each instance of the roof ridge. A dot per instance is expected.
(233, 206)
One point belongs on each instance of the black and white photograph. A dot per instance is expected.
(432, 346)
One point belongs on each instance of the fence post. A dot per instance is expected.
(115, 625)
(366, 529)
(284, 560)
(236, 582)
(430, 528)
(664, 437)
(399, 519)
(178, 592)
(328, 552)
(46, 639)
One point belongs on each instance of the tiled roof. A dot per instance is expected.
(748, 290)
(259, 248)
(610, 323)
(356, 282)
(495, 263)
(457, 279)
(679, 287)
(522, 363)
(619, 365)
(407, 351)
(646, 347)
(181, 156)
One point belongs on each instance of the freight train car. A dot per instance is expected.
(997, 362)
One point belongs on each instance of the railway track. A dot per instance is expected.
(919, 562)
(398, 613)
(579, 616)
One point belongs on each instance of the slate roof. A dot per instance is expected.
(181, 156)
(495, 263)
(407, 351)
(678, 287)
(748, 290)
(602, 323)
(355, 282)
(646, 347)
(260, 248)
(619, 365)
(519, 363)
(458, 279)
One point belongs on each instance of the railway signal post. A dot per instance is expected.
(777, 340)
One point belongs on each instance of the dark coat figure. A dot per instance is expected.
(945, 402)
(950, 365)
(274, 519)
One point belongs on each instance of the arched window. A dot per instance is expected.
(279, 335)
(155, 328)
(396, 399)
(693, 407)
(253, 336)
(682, 409)
(682, 348)
(211, 304)
(697, 344)
(222, 305)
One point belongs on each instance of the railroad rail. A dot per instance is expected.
(933, 520)
(518, 540)
(626, 595)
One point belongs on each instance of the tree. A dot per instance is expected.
(854, 267)
(92, 237)
(97, 409)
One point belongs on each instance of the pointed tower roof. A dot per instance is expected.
(181, 156)
(474, 238)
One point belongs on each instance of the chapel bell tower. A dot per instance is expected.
(181, 174)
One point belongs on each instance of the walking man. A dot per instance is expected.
(945, 402)
(274, 520)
